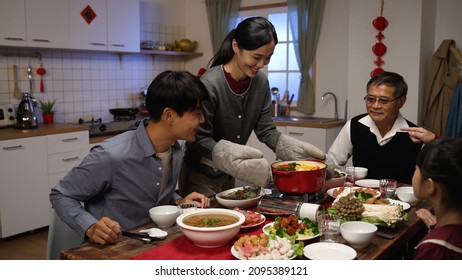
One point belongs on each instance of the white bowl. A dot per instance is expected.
(335, 182)
(360, 173)
(358, 234)
(164, 215)
(406, 194)
(211, 237)
(239, 203)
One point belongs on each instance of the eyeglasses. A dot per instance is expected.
(384, 101)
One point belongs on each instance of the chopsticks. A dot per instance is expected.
(141, 235)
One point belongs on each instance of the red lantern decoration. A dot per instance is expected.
(379, 48)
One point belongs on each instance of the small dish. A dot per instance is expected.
(368, 183)
(329, 251)
(331, 192)
(402, 203)
(154, 232)
(252, 219)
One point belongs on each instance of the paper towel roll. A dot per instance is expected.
(309, 210)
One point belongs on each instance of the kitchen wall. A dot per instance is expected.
(87, 84)
(344, 57)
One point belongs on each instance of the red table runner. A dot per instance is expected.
(183, 249)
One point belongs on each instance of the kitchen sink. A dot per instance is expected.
(304, 119)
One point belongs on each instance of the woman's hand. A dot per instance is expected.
(195, 198)
(105, 231)
(419, 134)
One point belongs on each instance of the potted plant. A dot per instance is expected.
(47, 110)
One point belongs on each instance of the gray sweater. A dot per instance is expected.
(232, 117)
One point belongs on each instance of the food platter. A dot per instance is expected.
(238, 256)
(331, 192)
(329, 251)
(253, 219)
(368, 183)
(299, 238)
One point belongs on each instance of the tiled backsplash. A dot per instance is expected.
(87, 84)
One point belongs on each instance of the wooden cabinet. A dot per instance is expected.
(24, 192)
(114, 25)
(13, 23)
(28, 170)
(47, 23)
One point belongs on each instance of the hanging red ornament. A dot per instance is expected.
(379, 49)
(380, 23)
(376, 71)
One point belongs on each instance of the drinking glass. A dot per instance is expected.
(329, 227)
(350, 176)
(387, 188)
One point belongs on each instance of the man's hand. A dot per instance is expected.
(419, 134)
(195, 198)
(105, 231)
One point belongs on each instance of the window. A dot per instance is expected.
(282, 71)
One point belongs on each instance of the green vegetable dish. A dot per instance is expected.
(248, 192)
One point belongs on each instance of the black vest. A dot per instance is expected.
(394, 160)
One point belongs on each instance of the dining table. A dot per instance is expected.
(388, 243)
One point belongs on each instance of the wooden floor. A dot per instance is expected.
(26, 246)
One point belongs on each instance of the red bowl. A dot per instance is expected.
(299, 182)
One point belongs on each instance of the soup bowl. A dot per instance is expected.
(240, 197)
(206, 227)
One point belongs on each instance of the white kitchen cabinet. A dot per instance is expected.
(123, 21)
(13, 23)
(64, 151)
(115, 26)
(88, 35)
(24, 191)
(320, 137)
(268, 154)
(29, 168)
(47, 23)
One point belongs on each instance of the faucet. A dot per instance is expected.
(335, 102)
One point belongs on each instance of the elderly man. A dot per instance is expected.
(381, 140)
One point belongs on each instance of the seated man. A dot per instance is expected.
(381, 140)
(125, 176)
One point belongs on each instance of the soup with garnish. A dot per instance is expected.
(210, 220)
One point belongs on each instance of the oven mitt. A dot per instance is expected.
(289, 148)
(242, 162)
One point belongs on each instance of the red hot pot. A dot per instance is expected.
(300, 181)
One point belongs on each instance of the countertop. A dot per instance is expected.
(10, 133)
(310, 124)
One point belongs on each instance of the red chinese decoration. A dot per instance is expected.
(379, 48)
(88, 14)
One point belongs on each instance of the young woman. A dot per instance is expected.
(239, 104)
(437, 178)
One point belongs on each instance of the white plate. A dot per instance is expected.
(262, 220)
(300, 238)
(236, 254)
(404, 204)
(368, 183)
(329, 251)
(330, 192)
